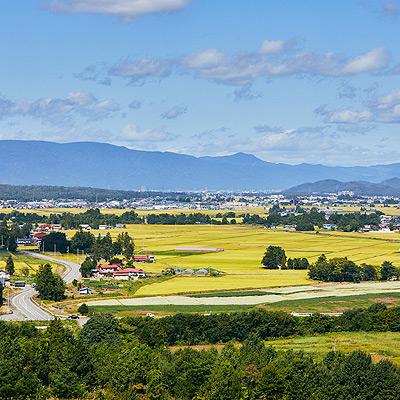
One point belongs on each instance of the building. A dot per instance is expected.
(85, 290)
(129, 274)
(148, 258)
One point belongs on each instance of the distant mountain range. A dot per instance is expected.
(88, 164)
(389, 187)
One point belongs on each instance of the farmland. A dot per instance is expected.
(25, 265)
(379, 345)
(244, 247)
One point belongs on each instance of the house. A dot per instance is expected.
(40, 235)
(44, 227)
(85, 227)
(107, 269)
(120, 226)
(129, 274)
(144, 258)
(329, 227)
(4, 277)
(85, 290)
(104, 227)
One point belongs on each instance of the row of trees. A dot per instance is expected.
(94, 218)
(275, 258)
(341, 269)
(307, 220)
(9, 232)
(107, 360)
(98, 247)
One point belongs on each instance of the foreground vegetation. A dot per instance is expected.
(379, 345)
(108, 359)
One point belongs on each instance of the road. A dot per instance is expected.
(24, 309)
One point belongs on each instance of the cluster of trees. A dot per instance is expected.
(84, 241)
(275, 258)
(341, 269)
(106, 360)
(189, 219)
(191, 329)
(49, 284)
(307, 220)
(9, 234)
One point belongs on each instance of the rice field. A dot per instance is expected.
(243, 249)
(25, 266)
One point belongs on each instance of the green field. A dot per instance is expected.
(244, 247)
(380, 345)
(122, 310)
(22, 263)
(335, 304)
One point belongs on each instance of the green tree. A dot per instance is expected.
(126, 245)
(103, 248)
(87, 266)
(10, 268)
(100, 329)
(388, 271)
(83, 309)
(82, 240)
(1, 294)
(56, 241)
(50, 286)
(274, 258)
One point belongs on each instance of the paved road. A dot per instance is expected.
(72, 269)
(24, 309)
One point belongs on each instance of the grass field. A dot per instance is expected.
(336, 303)
(380, 345)
(122, 311)
(22, 263)
(244, 247)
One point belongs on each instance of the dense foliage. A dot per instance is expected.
(307, 220)
(198, 329)
(49, 285)
(275, 258)
(341, 269)
(108, 360)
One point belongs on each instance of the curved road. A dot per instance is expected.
(24, 309)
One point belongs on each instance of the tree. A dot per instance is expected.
(83, 309)
(1, 294)
(388, 271)
(87, 266)
(126, 244)
(298, 263)
(50, 286)
(274, 258)
(101, 328)
(103, 248)
(56, 241)
(10, 268)
(82, 241)
(11, 243)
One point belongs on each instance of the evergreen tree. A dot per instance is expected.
(50, 286)
(10, 268)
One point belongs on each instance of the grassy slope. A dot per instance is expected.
(379, 345)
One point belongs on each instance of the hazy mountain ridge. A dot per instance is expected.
(389, 187)
(90, 164)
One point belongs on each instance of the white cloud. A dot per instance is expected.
(127, 9)
(132, 133)
(272, 46)
(138, 71)
(174, 112)
(372, 61)
(204, 59)
(348, 116)
(61, 110)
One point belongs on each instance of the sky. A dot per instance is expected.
(302, 81)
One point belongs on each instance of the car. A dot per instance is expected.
(73, 316)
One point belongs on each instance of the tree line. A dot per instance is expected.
(341, 269)
(107, 360)
(305, 220)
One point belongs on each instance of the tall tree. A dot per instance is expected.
(87, 266)
(274, 258)
(10, 268)
(49, 285)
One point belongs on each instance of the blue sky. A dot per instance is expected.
(289, 81)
